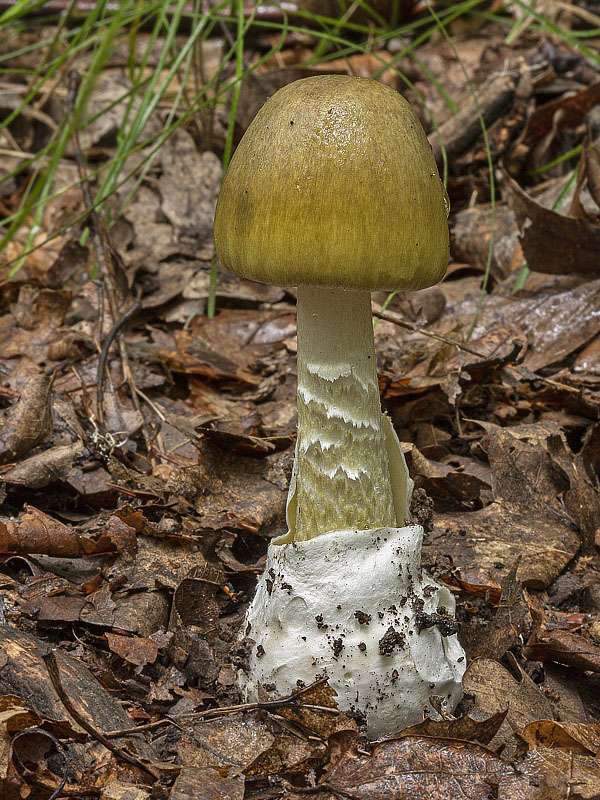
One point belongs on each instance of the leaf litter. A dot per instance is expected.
(138, 499)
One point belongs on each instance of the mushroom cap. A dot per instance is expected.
(334, 184)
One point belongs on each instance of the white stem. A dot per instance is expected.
(342, 467)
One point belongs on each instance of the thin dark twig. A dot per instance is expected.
(522, 372)
(264, 705)
(52, 667)
(149, 726)
(131, 312)
(410, 326)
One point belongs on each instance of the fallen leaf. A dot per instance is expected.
(564, 774)
(35, 532)
(552, 242)
(51, 466)
(505, 629)
(316, 720)
(415, 768)
(574, 107)
(471, 730)
(207, 783)
(576, 737)
(526, 519)
(551, 643)
(189, 186)
(496, 690)
(28, 422)
(136, 650)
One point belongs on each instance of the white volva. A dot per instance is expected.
(349, 604)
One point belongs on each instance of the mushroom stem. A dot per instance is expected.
(342, 468)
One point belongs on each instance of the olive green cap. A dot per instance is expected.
(334, 184)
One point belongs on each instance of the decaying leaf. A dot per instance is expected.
(417, 768)
(51, 466)
(552, 242)
(309, 712)
(525, 520)
(207, 783)
(28, 422)
(496, 690)
(563, 773)
(573, 736)
(471, 730)
(136, 650)
(37, 533)
(554, 641)
(506, 627)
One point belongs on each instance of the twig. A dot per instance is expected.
(264, 705)
(149, 726)
(523, 373)
(268, 705)
(410, 326)
(131, 312)
(52, 667)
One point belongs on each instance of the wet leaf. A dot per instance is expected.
(416, 768)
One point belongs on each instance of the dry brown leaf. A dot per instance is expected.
(35, 532)
(553, 643)
(35, 323)
(526, 519)
(574, 107)
(574, 736)
(28, 422)
(495, 689)
(552, 242)
(136, 650)
(207, 783)
(316, 720)
(233, 742)
(565, 775)
(506, 627)
(471, 730)
(51, 466)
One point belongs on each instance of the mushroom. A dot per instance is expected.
(334, 189)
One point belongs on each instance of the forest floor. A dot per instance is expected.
(146, 447)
